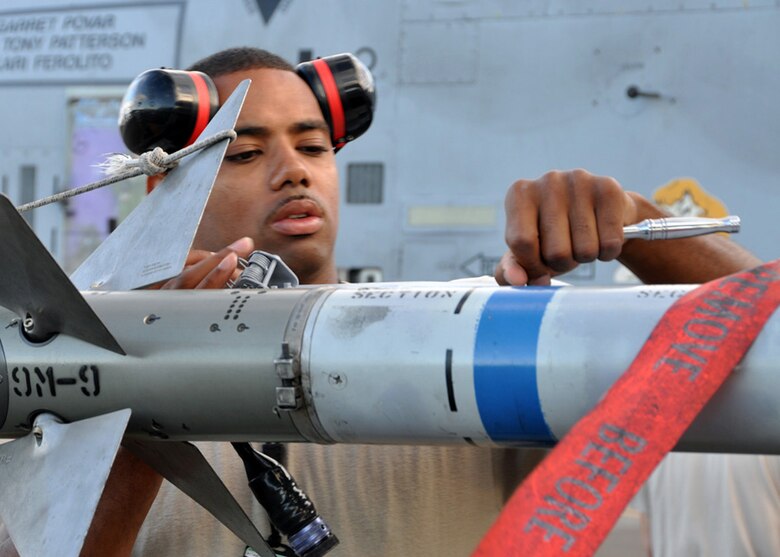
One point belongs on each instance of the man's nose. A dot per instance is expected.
(289, 169)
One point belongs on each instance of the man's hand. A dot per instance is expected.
(560, 220)
(205, 269)
(567, 218)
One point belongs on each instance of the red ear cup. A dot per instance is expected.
(345, 90)
(166, 108)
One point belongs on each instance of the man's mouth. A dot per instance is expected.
(297, 217)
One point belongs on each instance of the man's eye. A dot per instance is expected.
(313, 149)
(244, 156)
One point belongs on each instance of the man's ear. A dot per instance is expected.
(152, 181)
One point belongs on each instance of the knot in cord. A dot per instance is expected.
(154, 162)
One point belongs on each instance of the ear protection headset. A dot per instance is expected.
(170, 108)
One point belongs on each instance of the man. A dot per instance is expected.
(278, 190)
(279, 186)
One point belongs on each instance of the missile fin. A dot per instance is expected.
(184, 466)
(152, 243)
(52, 481)
(34, 285)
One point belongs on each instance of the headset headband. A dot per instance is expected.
(170, 108)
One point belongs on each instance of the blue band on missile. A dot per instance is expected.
(505, 365)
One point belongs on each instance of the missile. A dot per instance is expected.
(404, 363)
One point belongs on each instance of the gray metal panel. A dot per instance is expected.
(455, 47)
(437, 10)
(549, 92)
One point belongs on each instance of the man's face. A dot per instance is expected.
(278, 183)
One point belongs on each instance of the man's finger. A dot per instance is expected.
(194, 274)
(509, 273)
(584, 229)
(206, 272)
(610, 218)
(220, 274)
(554, 231)
(193, 257)
(522, 230)
(196, 256)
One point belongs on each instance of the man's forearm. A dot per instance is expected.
(129, 493)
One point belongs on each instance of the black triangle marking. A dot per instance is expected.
(267, 8)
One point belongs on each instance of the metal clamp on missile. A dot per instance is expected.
(266, 270)
(290, 511)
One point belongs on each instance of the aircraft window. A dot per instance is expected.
(365, 183)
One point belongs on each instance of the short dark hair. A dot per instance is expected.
(239, 59)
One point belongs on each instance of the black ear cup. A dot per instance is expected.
(166, 108)
(170, 108)
(345, 90)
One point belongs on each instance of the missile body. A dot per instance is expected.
(411, 363)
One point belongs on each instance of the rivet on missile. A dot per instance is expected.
(157, 431)
(337, 380)
(37, 432)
